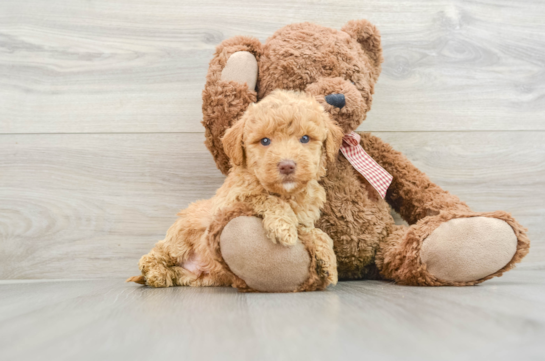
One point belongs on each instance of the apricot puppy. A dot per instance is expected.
(278, 151)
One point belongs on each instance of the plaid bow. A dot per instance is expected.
(364, 164)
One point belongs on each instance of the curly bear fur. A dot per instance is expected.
(321, 61)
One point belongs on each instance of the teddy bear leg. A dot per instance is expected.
(457, 250)
(264, 266)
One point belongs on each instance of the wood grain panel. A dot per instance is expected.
(139, 66)
(89, 205)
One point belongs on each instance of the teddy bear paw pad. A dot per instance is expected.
(263, 265)
(468, 249)
(242, 68)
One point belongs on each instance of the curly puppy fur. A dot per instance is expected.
(321, 61)
(289, 204)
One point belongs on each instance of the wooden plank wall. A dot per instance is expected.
(100, 108)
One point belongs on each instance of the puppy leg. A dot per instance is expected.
(183, 258)
(323, 267)
(326, 261)
(279, 220)
(160, 269)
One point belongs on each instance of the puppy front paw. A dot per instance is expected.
(281, 231)
(326, 261)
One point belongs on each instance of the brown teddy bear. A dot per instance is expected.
(446, 243)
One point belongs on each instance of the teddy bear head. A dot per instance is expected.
(338, 67)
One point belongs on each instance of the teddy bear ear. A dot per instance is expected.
(368, 36)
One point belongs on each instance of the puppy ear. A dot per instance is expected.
(334, 139)
(232, 143)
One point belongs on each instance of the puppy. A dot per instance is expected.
(279, 150)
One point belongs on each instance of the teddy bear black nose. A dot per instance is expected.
(337, 100)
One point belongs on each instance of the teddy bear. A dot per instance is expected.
(445, 242)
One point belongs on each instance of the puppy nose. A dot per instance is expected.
(286, 167)
(337, 100)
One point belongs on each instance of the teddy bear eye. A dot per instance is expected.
(304, 139)
(265, 141)
(352, 82)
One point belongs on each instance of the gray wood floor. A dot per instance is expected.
(503, 319)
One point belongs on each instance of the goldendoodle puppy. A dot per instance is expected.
(279, 150)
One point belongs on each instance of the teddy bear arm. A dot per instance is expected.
(412, 194)
(229, 90)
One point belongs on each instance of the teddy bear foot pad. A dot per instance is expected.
(264, 266)
(468, 249)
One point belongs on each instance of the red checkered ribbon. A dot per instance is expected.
(364, 164)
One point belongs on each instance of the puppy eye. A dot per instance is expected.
(265, 141)
(304, 139)
(352, 82)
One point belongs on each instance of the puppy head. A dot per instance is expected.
(285, 140)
